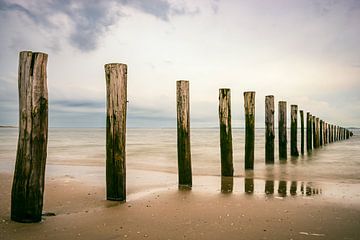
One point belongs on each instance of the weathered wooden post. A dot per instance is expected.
(29, 176)
(282, 131)
(321, 132)
(269, 129)
(293, 131)
(308, 132)
(249, 105)
(318, 132)
(325, 132)
(227, 184)
(116, 105)
(302, 132)
(226, 150)
(183, 134)
(314, 131)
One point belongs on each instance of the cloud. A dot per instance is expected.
(89, 19)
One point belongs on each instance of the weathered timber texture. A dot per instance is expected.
(226, 149)
(321, 134)
(282, 131)
(302, 134)
(314, 131)
(227, 184)
(317, 133)
(293, 131)
(269, 129)
(183, 134)
(325, 132)
(116, 100)
(249, 105)
(308, 132)
(29, 177)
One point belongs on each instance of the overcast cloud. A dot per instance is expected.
(304, 52)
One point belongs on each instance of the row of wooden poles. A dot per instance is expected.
(29, 175)
(318, 132)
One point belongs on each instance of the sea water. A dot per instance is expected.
(80, 152)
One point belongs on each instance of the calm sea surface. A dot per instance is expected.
(155, 150)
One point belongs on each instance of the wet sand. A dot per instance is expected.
(167, 213)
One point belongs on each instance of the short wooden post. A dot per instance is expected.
(116, 105)
(226, 149)
(249, 105)
(282, 131)
(183, 134)
(302, 132)
(29, 177)
(269, 129)
(308, 132)
(293, 131)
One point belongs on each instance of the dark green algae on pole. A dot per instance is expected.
(183, 134)
(29, 176)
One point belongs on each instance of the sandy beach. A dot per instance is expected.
(168, 213)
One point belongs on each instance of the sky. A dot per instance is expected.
(303, 52)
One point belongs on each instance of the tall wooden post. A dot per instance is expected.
(29, 177)
(226, 149)
(116, 106)
(249, 105)
(293, 131)
(269, 129)
(317, 133)
(325, 132)
(302, 132)
(282, 131)
(183, 134)
(308, 132)
(314, 131)
(321, 132)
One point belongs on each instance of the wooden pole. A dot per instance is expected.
(227, 184)
(269, 129)
(293, 131)
(302, 132)
(29, 176)
(226, 149)
(325, 133)
(116, 105)
(314, 131)
(249, 105)
(282, 131)
(183, 134)
(321, 132)
(308, 132)
(317, 132)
